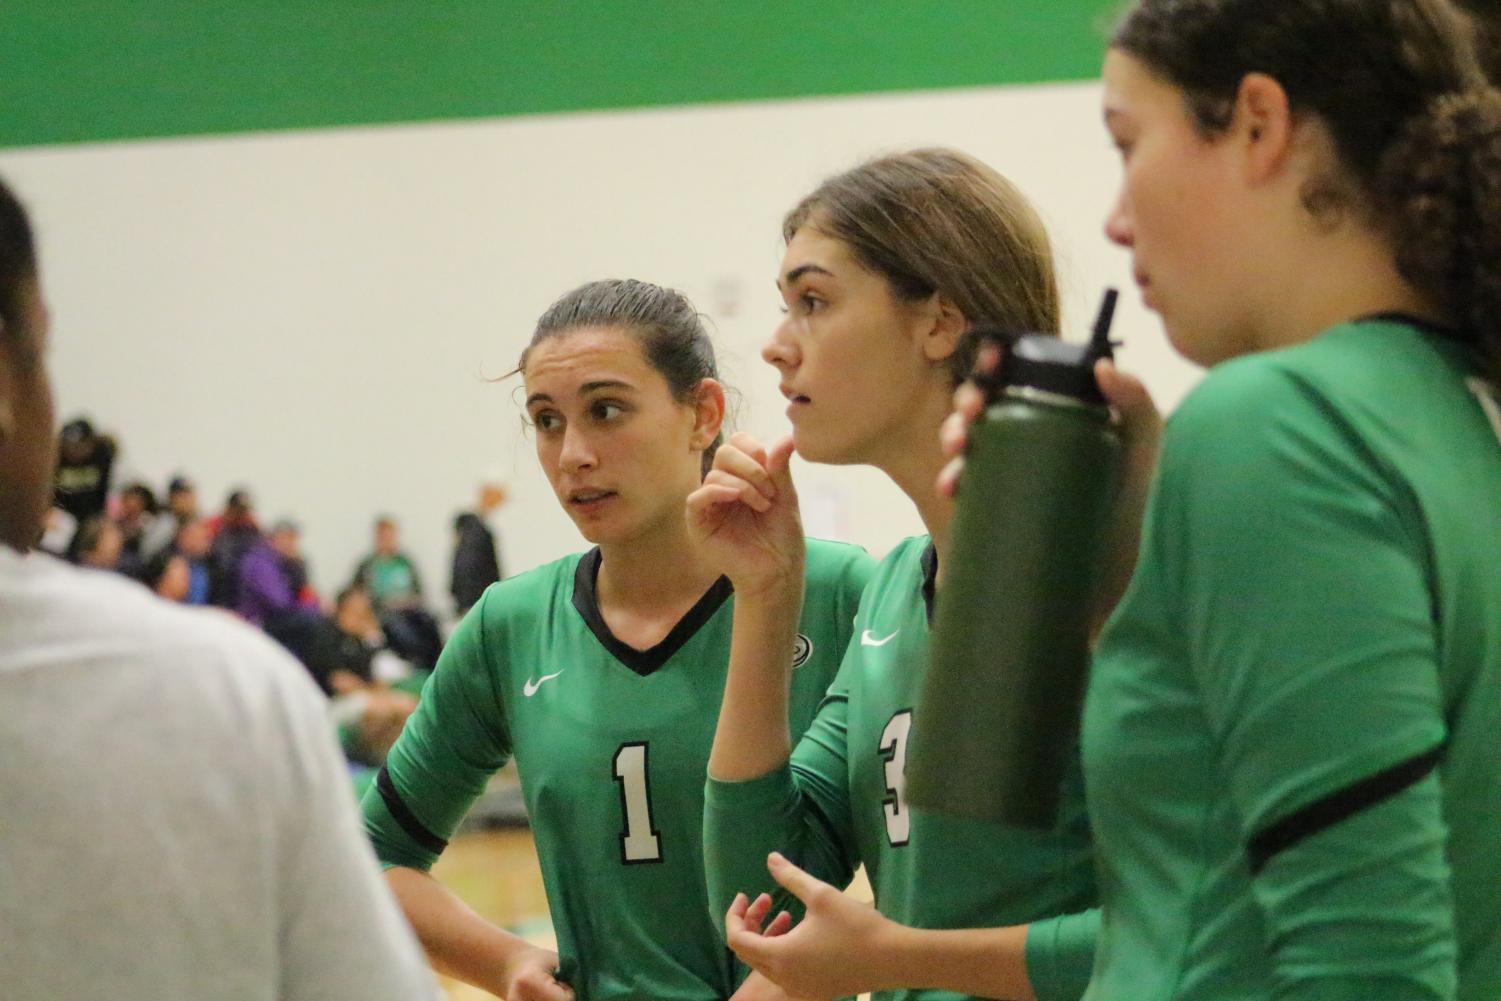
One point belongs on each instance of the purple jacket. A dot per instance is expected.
(265, 588)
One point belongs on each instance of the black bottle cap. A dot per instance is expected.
(1053, 365)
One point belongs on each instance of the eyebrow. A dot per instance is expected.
(804, 269)
(586, 388)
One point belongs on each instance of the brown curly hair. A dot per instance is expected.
(1485, 16)
(937, 220)
(1415, 123)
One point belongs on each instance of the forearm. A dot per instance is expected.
(980, 962)
(458, 942)
(752, 738)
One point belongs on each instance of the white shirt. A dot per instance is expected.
(175, 821)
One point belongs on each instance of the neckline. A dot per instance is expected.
(929, 577)
(1417, 322)
(642, 662)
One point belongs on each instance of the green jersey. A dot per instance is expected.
(1290, 736)
(612, 745)
(841, 802)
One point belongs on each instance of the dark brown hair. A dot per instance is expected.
(1415, 124)
(17, 262)
(670, 331)
(937, 220)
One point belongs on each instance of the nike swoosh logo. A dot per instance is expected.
(530, 688)
(866, 639)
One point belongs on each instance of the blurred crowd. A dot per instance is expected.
(369, 647)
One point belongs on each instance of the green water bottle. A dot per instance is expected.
(998, 722)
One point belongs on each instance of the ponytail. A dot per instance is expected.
(1439, 185)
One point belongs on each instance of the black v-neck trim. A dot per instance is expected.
(643, 662)
(929, 578)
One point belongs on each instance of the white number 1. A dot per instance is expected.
(640, 841)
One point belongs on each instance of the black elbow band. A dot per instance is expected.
(404, 816)
(1337, 806)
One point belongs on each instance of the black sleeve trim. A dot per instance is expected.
(1339, 806)
(403, 816)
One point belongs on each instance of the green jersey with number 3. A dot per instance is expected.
(841, 801)
(612, 746)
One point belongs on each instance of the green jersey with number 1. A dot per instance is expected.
(612, 746)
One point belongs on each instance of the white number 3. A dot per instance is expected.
(893, 748)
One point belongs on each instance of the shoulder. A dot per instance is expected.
(112, 629)
(904, 560)
(527, 593)
(834, 562)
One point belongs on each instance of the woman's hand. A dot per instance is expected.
(834, 952)
(745, 517)
(531, 975)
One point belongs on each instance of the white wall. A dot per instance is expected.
(315, 313)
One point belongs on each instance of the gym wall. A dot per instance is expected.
(293, 247)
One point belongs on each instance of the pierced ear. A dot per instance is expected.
(708, 413)
(946, 331)
(1263, 122)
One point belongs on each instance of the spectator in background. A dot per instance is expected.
(182, 499)
(192, 544)
(86, 461)
(97, 544)
(135, 518)
(272, 590)
(181, 507)
(233, 532)
(476, 560)
(390, 577)
(169, 577)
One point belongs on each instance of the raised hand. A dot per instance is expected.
(745, 516)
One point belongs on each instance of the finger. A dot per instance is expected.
(735, 918)
(790, 877)
(745, 492)
(988, 358)
(703, 501)
(1129, 396)
(969, 400)
(541, 987)
(749, 468)
(948, 477)
(751, 947)
(748, 444)
(755, 915)
(780, 925)
(953, 433)
(779, 463)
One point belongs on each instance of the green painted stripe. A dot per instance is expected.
(91, 70)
